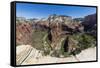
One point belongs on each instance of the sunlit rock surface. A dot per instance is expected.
(29, 55)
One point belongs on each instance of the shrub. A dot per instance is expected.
(85, 40)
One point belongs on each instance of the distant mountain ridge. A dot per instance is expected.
(88, 23)
(79, 24)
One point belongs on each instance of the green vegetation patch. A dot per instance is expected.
(40, 41)
(37, 39)
(85, 40)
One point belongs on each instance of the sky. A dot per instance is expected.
(29, 10)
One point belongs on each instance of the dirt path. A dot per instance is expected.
(29, 55)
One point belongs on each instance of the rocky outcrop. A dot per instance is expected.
(41, 25)
(90, 24)
(55, 24)
(63, 25)
(89, 21)
(60, 18)
(26, 53)
(23, 33)
(29, 55)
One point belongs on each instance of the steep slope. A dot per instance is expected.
(23, 33)
(90, 24)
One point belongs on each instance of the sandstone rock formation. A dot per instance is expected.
(89, 21)
(23, 33)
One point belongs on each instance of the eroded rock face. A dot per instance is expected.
(60, 18)
(23, 33)
(41, 25)
(89, 21)
(55, 24)
(90, 24)
(62, 25)
(28, 55)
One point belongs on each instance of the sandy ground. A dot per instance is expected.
(29, 55)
